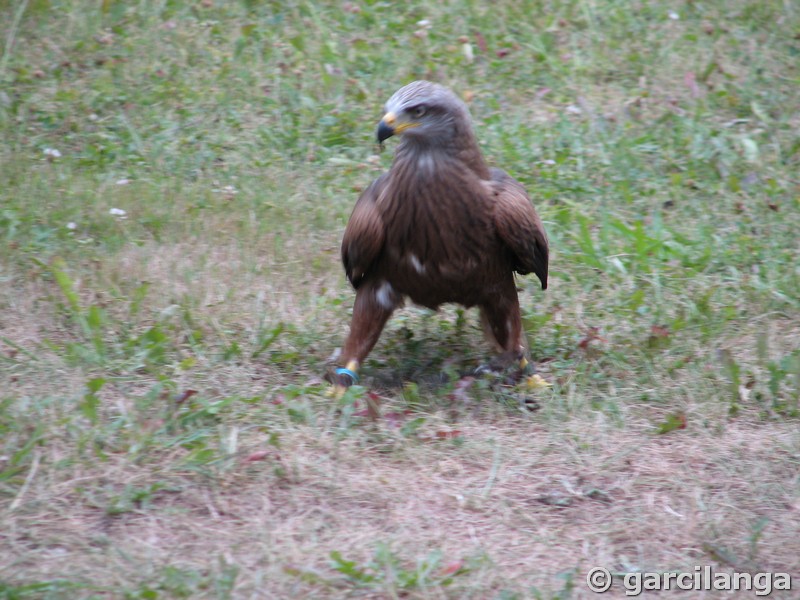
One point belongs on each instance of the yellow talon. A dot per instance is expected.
(536, 382)
(523, 362)
(336, 391)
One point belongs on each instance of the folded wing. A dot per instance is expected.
(519, 227)
(365, 234)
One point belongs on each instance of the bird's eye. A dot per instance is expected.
(418, 111)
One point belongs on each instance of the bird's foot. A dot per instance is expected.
(526, 367)
(509, 368)
(342, 378)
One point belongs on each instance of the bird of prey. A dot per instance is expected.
(440, 226)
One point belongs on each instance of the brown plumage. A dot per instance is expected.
(440, 226)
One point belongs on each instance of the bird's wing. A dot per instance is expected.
(365, 234)
(518, 226)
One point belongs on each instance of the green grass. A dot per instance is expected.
(164, 427)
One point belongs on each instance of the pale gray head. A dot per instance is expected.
(426, 113)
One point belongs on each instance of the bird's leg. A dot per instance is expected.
(375, 303)
(502, 325)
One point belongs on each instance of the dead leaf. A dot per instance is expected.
(396, 419)
(448, 435)
(373, 410)
(256, 456)
(453, 567)
(373, 406)
(481, 41)
(661, 331)
(659, 336)
(459, 393)
(181, 398)
(591, 335)
(672, 422)
(537, 382)
(599, 495)
(556, 499)
(690, 81)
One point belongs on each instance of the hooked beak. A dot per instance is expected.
(386, 127)
(390, 126)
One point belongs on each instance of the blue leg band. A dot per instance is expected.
(351, 374)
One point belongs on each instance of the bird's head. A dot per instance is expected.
(424, 112)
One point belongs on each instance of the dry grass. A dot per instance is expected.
(518, 497)
(662, 154)
(522, 498)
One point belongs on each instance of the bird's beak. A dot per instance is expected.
(390, 126)
(386, 128)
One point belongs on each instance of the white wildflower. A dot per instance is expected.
(226, 190)
(117, 212)
(52, 153)
(72, 225)
(466, 48)
(673, 15)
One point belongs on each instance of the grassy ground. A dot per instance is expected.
(164, 428)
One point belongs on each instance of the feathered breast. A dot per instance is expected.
(439, 229)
